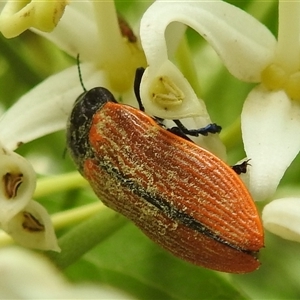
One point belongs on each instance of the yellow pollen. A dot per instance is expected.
(166, 93)
(274, 77)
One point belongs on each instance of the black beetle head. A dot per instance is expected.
(80, 121)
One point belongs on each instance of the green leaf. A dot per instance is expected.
(131, 262)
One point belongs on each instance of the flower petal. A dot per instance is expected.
(270, 128)
(282, 217)
(23, 269)
(45, 108)
(32, 228)
(245, 45)
(212, 142)
(17, 16)
(166, 93)
(75, 31)
(17, 180)
(28, 275)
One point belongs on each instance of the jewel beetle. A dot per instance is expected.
(180, 195)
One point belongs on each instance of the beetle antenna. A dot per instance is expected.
(79, 73)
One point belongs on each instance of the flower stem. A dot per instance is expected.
(64, 219)
(231, 135)
(50, 185)
(75, 215)
(287, 55)
(85, 236)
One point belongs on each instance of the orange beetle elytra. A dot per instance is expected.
(180, 195)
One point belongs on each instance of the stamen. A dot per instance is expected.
(31, 224)
(274, 77)
(12, 183)
(166, 93)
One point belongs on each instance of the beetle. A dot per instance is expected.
(180, 195)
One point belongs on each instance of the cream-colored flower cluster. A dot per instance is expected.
(25, 220)
(271, 114)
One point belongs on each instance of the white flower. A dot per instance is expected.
(90, 29)
(270, 117)
(25, 220)
(17, 16)
(281, 217)
(17, 184)
(27, 275)
(109, 59)
(271, 113)
(31, 227)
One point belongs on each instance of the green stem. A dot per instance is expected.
(260, 9)
(63, 182)
(230, 134)
(64, 219)
(85, 236)
(75, 215)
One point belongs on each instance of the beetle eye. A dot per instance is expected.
(93, 97)
(89, 102)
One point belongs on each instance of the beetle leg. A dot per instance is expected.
(180, 130)
(242, 167)
(177, 131)
(210, 128)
